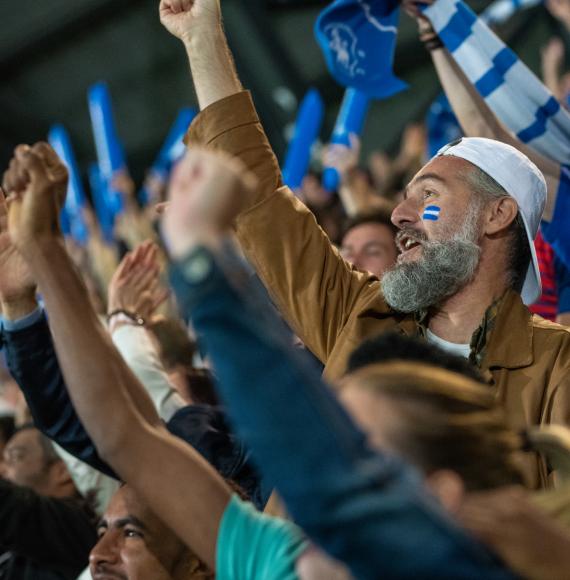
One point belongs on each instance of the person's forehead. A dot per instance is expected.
(28, 438)
(446, 169)
(126, 504)
(368, 232)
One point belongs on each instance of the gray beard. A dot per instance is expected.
(443, 269)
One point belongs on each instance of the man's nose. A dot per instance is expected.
(106, 551)
(406, 213)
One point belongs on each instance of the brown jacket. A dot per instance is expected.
(333, 307)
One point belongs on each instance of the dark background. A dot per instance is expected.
(52, 50)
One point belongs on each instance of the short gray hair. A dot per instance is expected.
(519, 254)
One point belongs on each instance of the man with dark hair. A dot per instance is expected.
(134, 544)
(47, 528)
(369, 242)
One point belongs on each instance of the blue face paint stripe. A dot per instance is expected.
(431, 213)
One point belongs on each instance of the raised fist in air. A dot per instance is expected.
(35, 184)
(184, 18)
(206, 192)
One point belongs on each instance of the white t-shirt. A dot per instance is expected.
(463, 350)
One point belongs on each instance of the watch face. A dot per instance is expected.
(197, 266)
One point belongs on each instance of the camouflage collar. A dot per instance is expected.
(481, 336)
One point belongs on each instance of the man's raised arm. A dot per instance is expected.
(131, 437)
(310, 283)
(198, 24)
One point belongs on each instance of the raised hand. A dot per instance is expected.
(206, 192)
(17, 286)
(36, 183)
(412, 7)
(341, 157)
(135, 286)
(560, 9)
(184, 18)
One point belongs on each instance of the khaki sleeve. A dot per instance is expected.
(313, 287)
(232, 125)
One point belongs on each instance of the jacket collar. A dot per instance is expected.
(510, 343)
(503, 340)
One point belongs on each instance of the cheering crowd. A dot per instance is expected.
(235, 391)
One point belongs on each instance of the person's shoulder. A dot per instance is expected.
(552, 340)
(549, 328)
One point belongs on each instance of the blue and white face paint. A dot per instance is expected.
(431, 213)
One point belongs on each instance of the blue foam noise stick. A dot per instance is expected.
(75, 199)
(350, 119)
(102, 210)
(109, 149)
(172, 149)
(307, 128)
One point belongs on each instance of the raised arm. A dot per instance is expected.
(198, 24)
(180, 486)
(135, 292)
(30, 354)
(353, 502)
(310, 283)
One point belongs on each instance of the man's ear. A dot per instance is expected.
(500, 215)
(448, 487)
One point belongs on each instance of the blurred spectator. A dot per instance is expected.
(47, 528)
(369, 242)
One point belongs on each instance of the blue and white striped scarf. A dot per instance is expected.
(516, 96)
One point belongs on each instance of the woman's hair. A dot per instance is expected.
(446, 421)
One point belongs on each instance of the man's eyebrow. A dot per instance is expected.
(425, 177)
(130, 521)
(122, 522)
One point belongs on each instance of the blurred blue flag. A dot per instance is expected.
(307, 129)
(72, 220)
(358, 39)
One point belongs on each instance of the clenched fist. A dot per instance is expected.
(36, 183)
(185, 18)
(206, 192)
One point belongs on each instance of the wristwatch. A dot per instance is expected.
(197, 265)
(121, 316)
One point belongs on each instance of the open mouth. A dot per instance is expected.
(407, 244)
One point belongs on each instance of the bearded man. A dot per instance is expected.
(466, 230)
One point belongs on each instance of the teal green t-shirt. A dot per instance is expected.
(254, 546)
